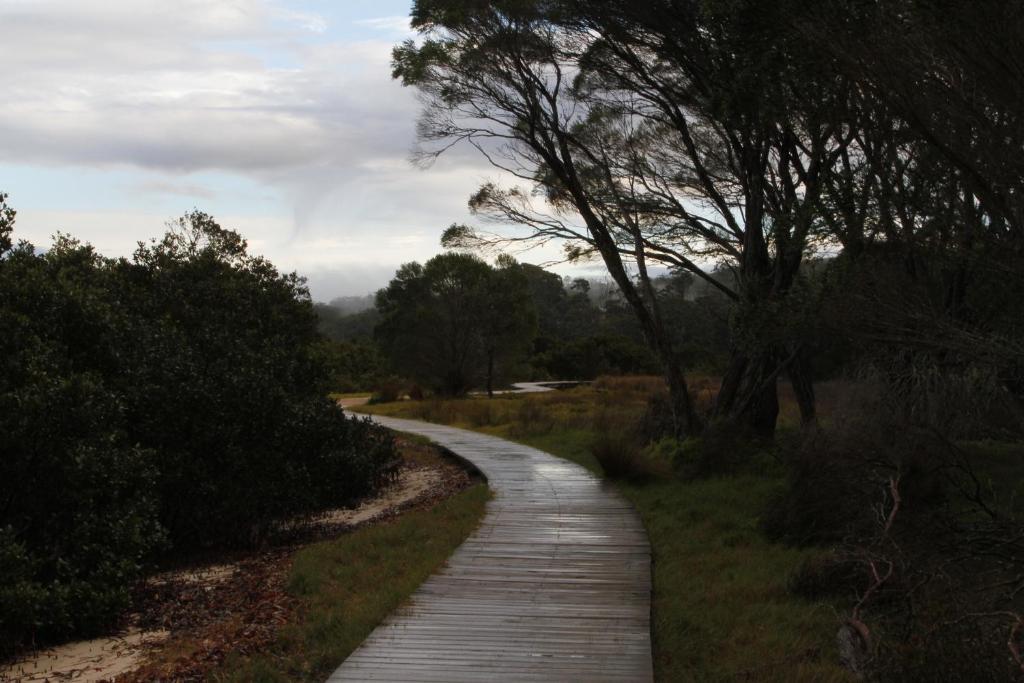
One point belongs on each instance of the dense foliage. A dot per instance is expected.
(750, 135)
(455, 321)
(584, 330)
(856, 169)
(170, 402)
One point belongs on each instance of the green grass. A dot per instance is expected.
(721, 610)
(347, 586)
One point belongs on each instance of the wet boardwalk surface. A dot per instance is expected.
(553, 586)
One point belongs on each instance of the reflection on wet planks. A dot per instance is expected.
(553, 586)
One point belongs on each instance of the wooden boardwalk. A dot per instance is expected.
(554, 586)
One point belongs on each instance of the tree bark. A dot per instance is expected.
(802, 381)
(685, 421)
(748, 396)
(684, 417)
(490, 374)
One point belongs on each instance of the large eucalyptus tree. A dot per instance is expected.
(684, 133)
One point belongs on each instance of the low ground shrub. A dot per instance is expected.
(926, 551)
(718, 451)
(388, 390)
(622, 456)
(618, 455)
(643, 385)
(657, 422)
(829, 576)
(480, 413)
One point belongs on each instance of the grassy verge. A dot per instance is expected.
(347, 586)
(721, 609)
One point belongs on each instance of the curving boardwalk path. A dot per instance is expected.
(553, 586)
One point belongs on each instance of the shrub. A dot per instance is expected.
(479, 413)
(81, 519)
(720, 449)
(618, 455)
(352, 366)
(388, 390)
(920, 540)
(78, 515)
(829, 576)
(622, 456)
(642, 385)
(657, 421)
(176, 397)
(225, 381)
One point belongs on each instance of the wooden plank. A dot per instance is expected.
(555, 584)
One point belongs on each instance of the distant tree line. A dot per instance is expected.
(456, 323)
(167, 403)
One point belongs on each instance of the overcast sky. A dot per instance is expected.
(279, 118)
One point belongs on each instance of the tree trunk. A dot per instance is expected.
(802, 380)
(748, 396)
(490, 374)
(684, 418)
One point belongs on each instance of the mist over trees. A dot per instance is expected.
(583, 329)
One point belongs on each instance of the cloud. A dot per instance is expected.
(308, 21)
(389, 24)
(171, 188)
(187, 86)
(180, 92)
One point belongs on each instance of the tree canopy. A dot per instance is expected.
(745, 134)
(456, 321)
(171, 401)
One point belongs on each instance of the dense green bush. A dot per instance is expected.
(77, 508)
(353, 366)
(228, 384)
(169, 402)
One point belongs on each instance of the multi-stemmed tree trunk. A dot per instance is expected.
(496, 76)
(755, 139)
(664, 128)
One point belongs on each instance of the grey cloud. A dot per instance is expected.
(183, 87)
(180, 189)
(140, 85)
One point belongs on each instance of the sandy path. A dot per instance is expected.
(104, 659)
(88, 661)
